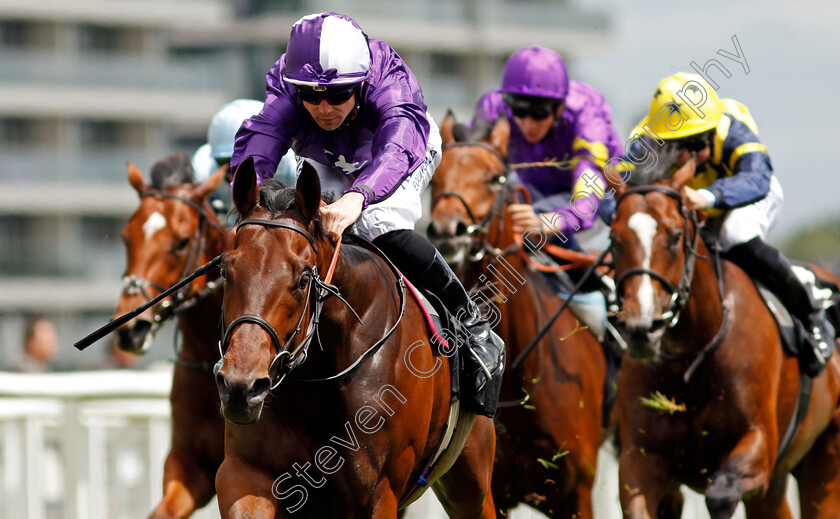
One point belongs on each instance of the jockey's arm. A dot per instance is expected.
(268, 135)
(751, 169)
(398, 148)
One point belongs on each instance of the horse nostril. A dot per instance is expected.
(259, 388)
(141, 328)
(224, 389)
(658, 325)
(431, 231)
(460, 229)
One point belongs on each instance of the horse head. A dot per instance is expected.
(169, 235)
(465, 186)
(654, 244)
(271, 289)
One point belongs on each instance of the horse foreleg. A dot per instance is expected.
(464, 491)
(773, 504)
(745, 471)
(244, 491)
(643, 480)
(186, 486)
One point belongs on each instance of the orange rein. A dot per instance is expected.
(575, 259)
(333, 261)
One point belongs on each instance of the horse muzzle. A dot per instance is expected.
(644, 342)
(452, 243)
(241, 399)
(135, 336)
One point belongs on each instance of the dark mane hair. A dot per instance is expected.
(276, 197)
(171, 171)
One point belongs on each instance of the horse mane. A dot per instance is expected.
(645, 174)
(277, 197)
(171, 171)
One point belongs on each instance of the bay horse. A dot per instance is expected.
(549, 426)
(173, 231)
(370, 404)
(711, 349)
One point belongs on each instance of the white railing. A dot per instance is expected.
(92, 444)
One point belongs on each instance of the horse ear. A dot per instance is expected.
(500, 135)
(203, 190)
(246, 192)
(684, 175)
(308, 196)
(446, 129)
(135, 178)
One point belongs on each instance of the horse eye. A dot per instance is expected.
(182, 244)
(675, 238)
(304, 280)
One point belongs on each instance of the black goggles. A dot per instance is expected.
(694, 144)
(332, 95)
(536, 108)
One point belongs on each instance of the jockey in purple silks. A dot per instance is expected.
(553, 120)
(351, 107)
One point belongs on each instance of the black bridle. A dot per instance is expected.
(134, 285)
(317, 292)
(478, 229)
(681, 292)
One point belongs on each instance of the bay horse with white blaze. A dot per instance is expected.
(370, 404)
(173, 231)
(713, 350)
(549, 425)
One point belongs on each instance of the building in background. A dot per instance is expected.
(87, 85)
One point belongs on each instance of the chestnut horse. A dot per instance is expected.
(713, 352)
(172, 232)
(550, 429)
(370, 405)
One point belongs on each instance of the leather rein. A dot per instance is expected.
(134, 285)
(681, 292)
(288, 356)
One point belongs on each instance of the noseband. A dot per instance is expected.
(287, 359)
(134, 285)
(680, 293)
(317, 292)
(481, 227)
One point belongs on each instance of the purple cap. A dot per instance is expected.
(536, 71)
(326, 49)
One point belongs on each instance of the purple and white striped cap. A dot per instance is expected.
(326, 49)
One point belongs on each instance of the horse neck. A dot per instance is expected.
(366, 283)
(703, 315)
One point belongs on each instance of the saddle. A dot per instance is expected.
(791, 329)
(461, 417)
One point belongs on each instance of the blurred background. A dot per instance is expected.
(90, 84)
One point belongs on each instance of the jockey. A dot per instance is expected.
(353, 109)
(218, 149)
(554, 120)
(735, 185)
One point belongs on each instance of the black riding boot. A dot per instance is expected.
(485, 347)
(769, 266)
(418, 259)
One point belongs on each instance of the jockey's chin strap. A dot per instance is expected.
(681, 293)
